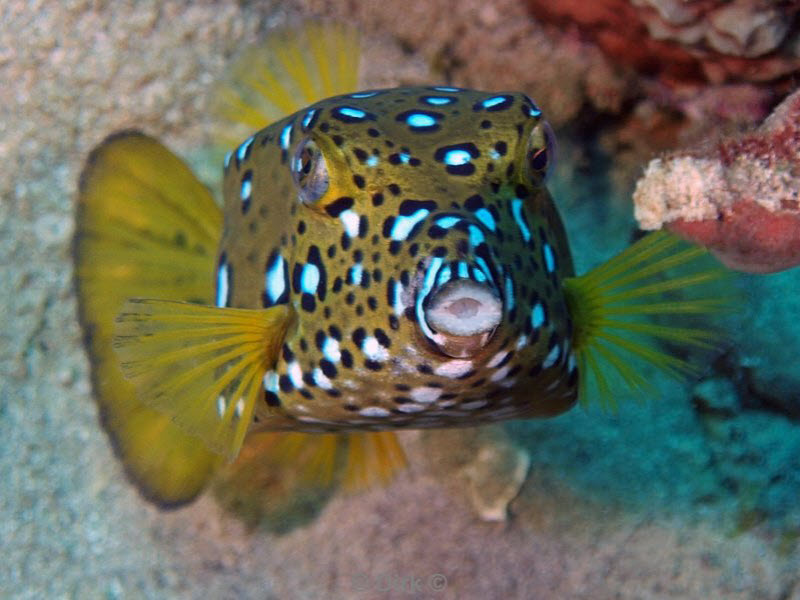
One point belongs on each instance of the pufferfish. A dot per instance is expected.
(385, 259)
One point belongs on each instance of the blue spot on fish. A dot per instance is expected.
(445, 274)
(286, 136)
(244, 150)
(448, 221)
(404, 224)
(549, 259)
(350, 114)
(309, 118)
(223, 283)
(456, 157)
(330, 348)
(476, 236)
(309, 279)
(516, 210)
(427, 285)
(246, 189)
(276, 283)
(537, 315)
(420, 120)
(495, 103)
(437, 100)
(509, 289)
(355, 274)
(486, 217)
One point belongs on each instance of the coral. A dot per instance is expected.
(739, 197)
(715, 40)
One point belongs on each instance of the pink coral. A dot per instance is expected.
(714, 40)
(739, 197)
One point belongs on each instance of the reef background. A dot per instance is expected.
(689, 495)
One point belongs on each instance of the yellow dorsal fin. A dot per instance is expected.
(145, 226)
(613, 307)
(201, 365)
(292, 68)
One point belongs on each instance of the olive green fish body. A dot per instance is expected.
(411, 231)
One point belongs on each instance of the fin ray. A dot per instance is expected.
(204, 376)
(611, 306)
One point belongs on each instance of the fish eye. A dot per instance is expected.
(540, 155)
(310, 171)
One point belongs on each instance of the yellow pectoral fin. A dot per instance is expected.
(614, 306)
(203, 366)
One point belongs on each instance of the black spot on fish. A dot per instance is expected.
(473, 203)
(328, 368)
(409, 207)
(339, 205)
(308, 303)
(271, 398)
(347, 358)
(361, 154)
(358, 336)
(285, 383)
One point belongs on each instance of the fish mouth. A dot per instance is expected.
(463, 315)
(458, 308)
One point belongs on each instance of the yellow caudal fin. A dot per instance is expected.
(145, 227)
(201, 365)
(292, 68)
(280, 478)
(651, 293)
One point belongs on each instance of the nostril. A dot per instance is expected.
(464, 308)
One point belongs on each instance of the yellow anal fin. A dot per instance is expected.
(647, 294)
(201, 365)
(373, 458)
(145, 226)
(292, 68)
(280, 476)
